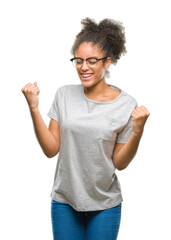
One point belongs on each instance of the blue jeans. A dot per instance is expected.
(69, 224)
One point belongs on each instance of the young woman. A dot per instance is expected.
(96, 128)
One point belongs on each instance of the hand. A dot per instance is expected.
(139, 117)
(31, 92)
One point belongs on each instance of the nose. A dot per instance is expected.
(84, 66)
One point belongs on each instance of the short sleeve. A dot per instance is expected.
(126, 132)
(54, 109)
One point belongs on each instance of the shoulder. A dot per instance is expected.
(68, 87)
(67, 90)
(126, 104)
(128, 99)
(71, 89)
(125, 98)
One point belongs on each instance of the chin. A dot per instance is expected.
(87, 83)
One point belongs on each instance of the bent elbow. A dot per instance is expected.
(50, 155)
(52, 152)
(119, 168)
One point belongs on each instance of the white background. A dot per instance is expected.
(35, 42)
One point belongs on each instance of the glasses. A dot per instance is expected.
(91, 62)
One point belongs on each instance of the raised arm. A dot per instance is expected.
(49, 139)
(124, 153)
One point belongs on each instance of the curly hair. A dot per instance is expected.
(108, 34)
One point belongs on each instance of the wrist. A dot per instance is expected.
(137, 134)
(34, 109)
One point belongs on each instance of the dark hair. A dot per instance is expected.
(108, 34)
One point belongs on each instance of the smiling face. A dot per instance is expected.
(88, 75)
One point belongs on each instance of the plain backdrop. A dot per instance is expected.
(35, 42)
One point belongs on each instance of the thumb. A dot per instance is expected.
(35, 83)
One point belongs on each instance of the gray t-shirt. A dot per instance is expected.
(85, 175)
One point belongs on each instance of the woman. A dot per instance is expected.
(96, 128)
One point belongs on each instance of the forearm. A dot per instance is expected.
(127, 153)
(44, 136)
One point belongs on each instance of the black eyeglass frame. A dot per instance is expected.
(97, 59)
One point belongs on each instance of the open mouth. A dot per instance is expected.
(86, 76)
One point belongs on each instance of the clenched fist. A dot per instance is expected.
(31, 92)
(139, 117)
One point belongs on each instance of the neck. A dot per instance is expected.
(96, 90)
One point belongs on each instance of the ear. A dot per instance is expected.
(107, 62)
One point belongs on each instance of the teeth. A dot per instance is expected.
(87, 75)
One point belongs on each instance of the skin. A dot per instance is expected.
(49, 139)
(124, 153)
(96, 89)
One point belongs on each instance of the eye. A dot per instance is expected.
(78, 61)
(92, 61)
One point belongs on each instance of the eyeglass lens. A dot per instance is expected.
(79, 61)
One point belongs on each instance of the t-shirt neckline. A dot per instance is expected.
(110, 85)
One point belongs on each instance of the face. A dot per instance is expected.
(88, 75)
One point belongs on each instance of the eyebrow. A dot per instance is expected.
(88, 57)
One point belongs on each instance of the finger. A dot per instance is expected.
(145, 110)
(32, 87)
(30, 84)
(37, 91)
(138, 113)
(134, 114)
(138, 109)
(29, 91)
(26, 86)
(135, 111)
(142, 111)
